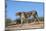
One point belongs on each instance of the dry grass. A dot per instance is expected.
(27, 26)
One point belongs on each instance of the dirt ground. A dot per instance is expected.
(32, 25)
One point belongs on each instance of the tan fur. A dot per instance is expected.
(25, 15)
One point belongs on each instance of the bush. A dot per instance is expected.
(7, 21)
(18, 21)
(41, 18)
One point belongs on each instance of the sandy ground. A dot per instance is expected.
(33, 25)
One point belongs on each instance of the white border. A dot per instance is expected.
(2, 17)
(30, 0)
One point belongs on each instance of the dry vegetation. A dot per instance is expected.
(13, 25)
(27, 26)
